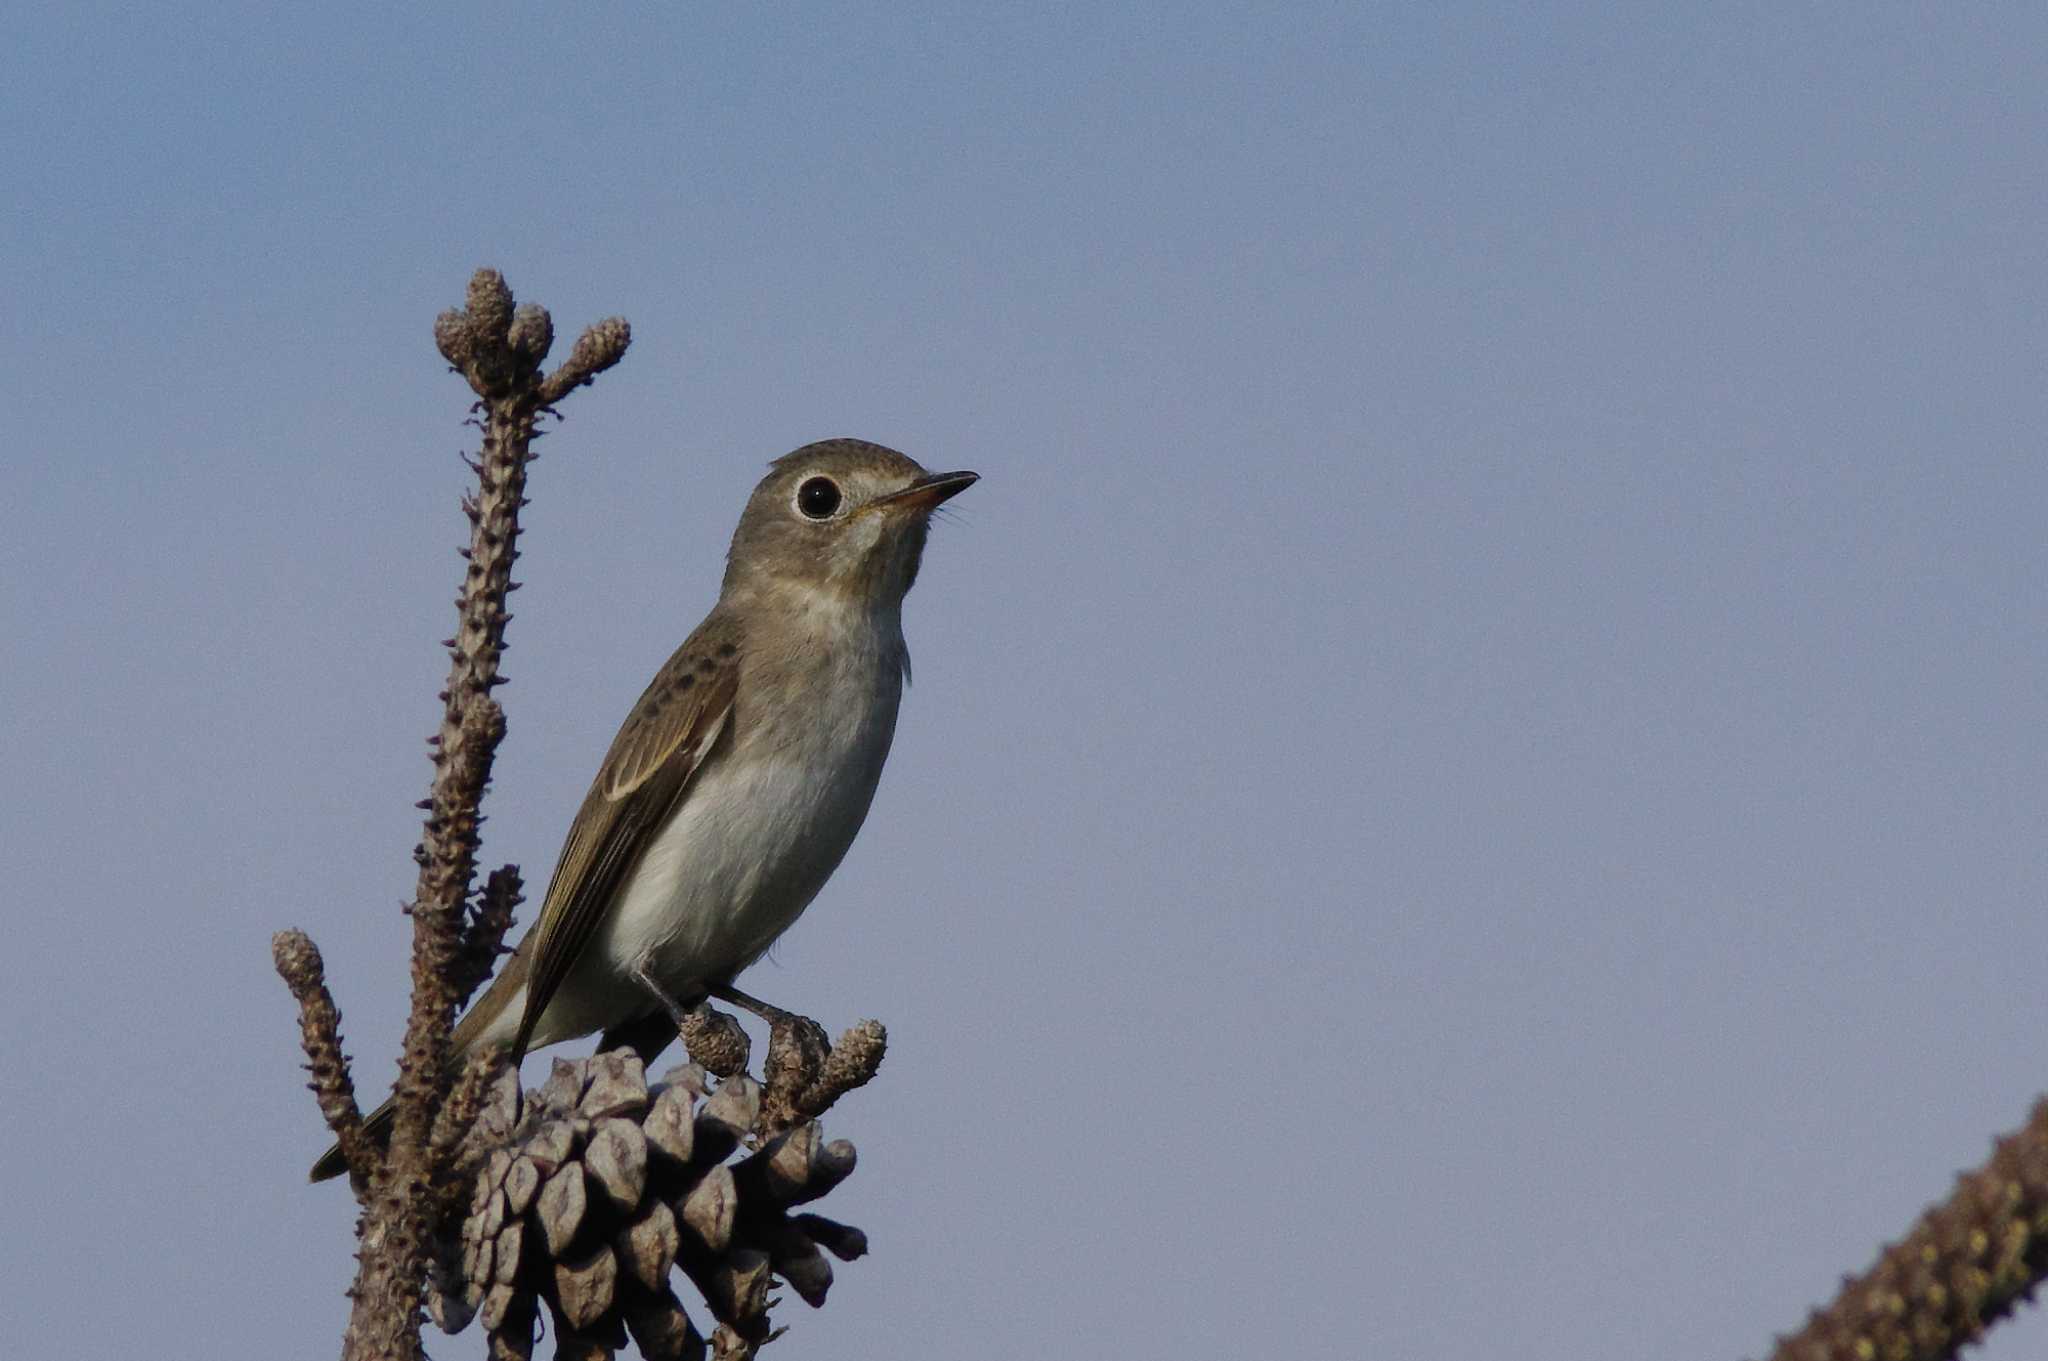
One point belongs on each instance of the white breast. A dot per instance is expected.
(764, 822)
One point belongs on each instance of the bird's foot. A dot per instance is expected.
(716, 1041)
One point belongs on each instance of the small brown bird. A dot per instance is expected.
(741, 776)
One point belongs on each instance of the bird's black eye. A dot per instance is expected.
(817, 498)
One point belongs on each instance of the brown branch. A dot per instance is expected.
(484, 940)
(804, 1074)
(852, 1063)
(498, 348)
(1965, 1265)
(298, 963)
(597, 349)
(471, 729)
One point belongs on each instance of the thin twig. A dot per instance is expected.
(298, 963)
(483, 941)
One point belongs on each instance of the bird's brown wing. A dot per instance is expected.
(673, 727)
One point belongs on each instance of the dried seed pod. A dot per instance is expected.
(600, 346)
(532, 333)
(489, 305)
(585, 1289)
(797, 1051)
(455, 338)
(725, 1119)
(830, 1165)
(691, 1077)
(648, 1245)
(798, 1261)
(669, 1125)
(841, 1240)
(710, 1208)
(497, 1305)
(550, 1147)
(618, 1085)
(490, 1217)
(564, 1087)
(662, 1331)
(607, 1186)
(716, 1040)
(788, 1159)
(857, 1057)
(511, 1244)
(563, 1203)
(477, 1258)
(736, 1288)
(451, 1301)
(616, 1159)
(522, 1183)
(500, 1113)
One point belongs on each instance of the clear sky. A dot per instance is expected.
(1476, 770)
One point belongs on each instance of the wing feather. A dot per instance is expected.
(673, 727)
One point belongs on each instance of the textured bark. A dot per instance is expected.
(298, 962)
(1966, 1264)
(407, 1187)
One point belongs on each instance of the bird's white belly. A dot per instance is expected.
(754, 840)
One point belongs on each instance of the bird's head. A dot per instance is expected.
(842, 516)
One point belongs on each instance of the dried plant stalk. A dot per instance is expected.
(1965, 1265)
(498, 348)
(298, 962)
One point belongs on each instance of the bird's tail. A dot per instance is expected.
(469, 1031)
(646, 1035)
(377, 1125)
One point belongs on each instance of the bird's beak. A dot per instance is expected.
(926, 492)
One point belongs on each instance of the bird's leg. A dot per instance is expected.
(676, 1010)
(714, 1039)
(774, 1016)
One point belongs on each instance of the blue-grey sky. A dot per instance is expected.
(1477, 764)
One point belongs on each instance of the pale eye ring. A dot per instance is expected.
(818, 498)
